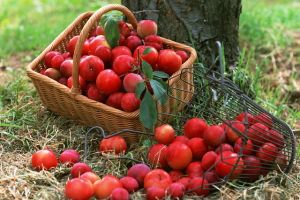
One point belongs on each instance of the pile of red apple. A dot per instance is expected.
(110, 75)
(179, 165)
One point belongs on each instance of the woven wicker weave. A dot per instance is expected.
(69, 103)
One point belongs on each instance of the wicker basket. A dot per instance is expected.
(69, 103)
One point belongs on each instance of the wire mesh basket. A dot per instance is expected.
(218, 101)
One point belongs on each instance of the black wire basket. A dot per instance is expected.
(217, 100)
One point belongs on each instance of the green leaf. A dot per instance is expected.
(161, 74)
(159, 91)
(147, 69)
(147, 51)
(139, 89)
(148, 111)
(111, 32)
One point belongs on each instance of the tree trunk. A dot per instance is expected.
(197, 23)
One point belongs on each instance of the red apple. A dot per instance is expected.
(130, 184)
(146, 27)
(151, 57)
(116, 144)
(179, 155)
(214, 135)
(119, 193)
(264, 119)
(168, 61)
(53, 73)
(154, 41)
(103, 52)
(164, 134)
(72, 44)
(114, 100)
(176, 190)
(212, 176)
(198, 147)
(130, 81)
(108, 82)
(155, 193)
(246, 117)
(157, 156)
(258, 133)
(229, 163)
(100, 40)
(176, 174)
(79, 188)
(199, 182)
(194, 169)
(252, 168)
(138, 172)
(132, 42)
(247, 148)
(195, 127)
(157, 177)
(267, 152)
(276, 138)
(57, 60)
(224, 147)
(123, 28)
(66, 68)
(103, 188)
(119, 51)
(93, 93)
(79, 168)
(129, 102)
(183, 55)
(70, 157)
(49, 56)
(230, 131)
(185, 181)
(91, 176)
(208, 160)
(90, 67)
(181, 138)
(82, 83)
(44, 159)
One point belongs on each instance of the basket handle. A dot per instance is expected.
(85, 32)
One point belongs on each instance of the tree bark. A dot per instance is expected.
(197, 23)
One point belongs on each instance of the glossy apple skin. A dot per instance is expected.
(179, 155)
(231, 135)
(157, 177)
(224, 147)
(72, 44)
(194, 169)
(93, 93)
(214, 135)
(198, 147)
(157, 156)
(208, 160)
(90, 67)
(66, 68)
(99, 40)
(91, 176)
(108, 82)
(168, 61)
(151, 57)
(252, 168)
(258, 133)
(267, 152)
(79, 168)
(154, 193)
(195, 127)
(129, 102)
(176, 174)
(248, 147)
(79, 188)
(82, 83)
(116, 144)
(53, 73)
(176, 190)
(164, 134)
(44, 159)
(131, 81)
(104, 187)
(154, 41)
(119, 193)
(183, 54)
(114, 100)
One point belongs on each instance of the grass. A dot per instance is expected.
(268, 48)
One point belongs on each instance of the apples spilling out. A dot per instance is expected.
(180, 165)
(119, 67)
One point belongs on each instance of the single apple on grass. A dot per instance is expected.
(157, 156)
(179, 155)
(79, 168)
(195, 127)
(44, 159)
(164, 134)
(138, 172)
(103, 188)
(116, 144)
(157, 177)
(69, 157)
(79, 188)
